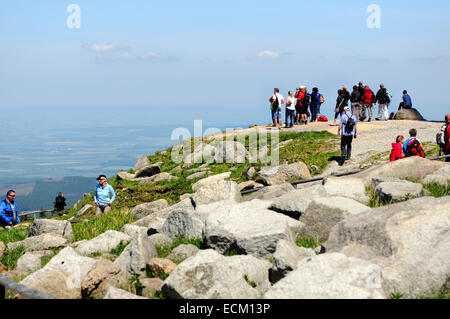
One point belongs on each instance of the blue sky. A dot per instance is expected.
(227, 54)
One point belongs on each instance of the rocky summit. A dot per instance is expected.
(381, 232)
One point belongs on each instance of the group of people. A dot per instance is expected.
(104, 196)
(303, 105)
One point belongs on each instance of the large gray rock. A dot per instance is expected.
(249, 228)
(103, 243)
(116, 293)
(62, 276)
(61, 228)
(286, 258)
(183, 252)
(295, 203)
(270, 192)
(409, 114)
(133, 259)
(330, 276)
(197, 175)
(86, 208)
(205, 182)
(230, 152)
(161, 240)
(148, 171)
(349, 187)
(183, 223)
(209, 275)
(324, 213)
(130, 229)
(41, 242)
(410, 167)
(32, 261)
(285, 173)
(441, 176)
(3, 249)
(126, 176)
(156, 178)
(244, 186)
(146, 209)
(203, 153)
(215, 191)
(102, 275)
(398, 191)
(409, 241)
(142, 162)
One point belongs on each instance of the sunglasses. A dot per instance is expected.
(12, 195)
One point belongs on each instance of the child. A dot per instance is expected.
(396, 152)
(412, 146)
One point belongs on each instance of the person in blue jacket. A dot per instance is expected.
(315, 104)
(9, 214)
(104, 196)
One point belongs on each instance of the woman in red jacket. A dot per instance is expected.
(397, 149)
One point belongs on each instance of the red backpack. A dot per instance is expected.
(414, 148)
(322, 118)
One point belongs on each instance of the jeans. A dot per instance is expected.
(346, 146)
(314, 112)
(290, 117)
(276, 114)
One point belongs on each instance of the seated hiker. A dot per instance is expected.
(412, 146)
(445, 145)
(104, 196)
(406, 103)
(397, 149)
(9, 214)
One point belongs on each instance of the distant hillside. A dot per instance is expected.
(42, 195)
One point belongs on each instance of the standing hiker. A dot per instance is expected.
(104, 196)
(383, 98)
(315, 104)
(339, 110)
(9, 214)
(276, 101)
(60, 202)
(367, 100)
(290, 110)
(349, 131)
(355, 99)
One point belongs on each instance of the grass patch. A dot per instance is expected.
(251, 283)
(10, 260)
(308, 242)
(114, 220)
(13, 235)
(164, 251)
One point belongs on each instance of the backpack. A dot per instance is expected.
(440, 137)
(306, 100)
(414, 148)
(321, 99)
(322, 118)
(275, 103)
(350, 124)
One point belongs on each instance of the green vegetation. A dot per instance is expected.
(13, 235)
(308, 242)
(164, 251)
(251, 283)
(10, 260)
(137, 285)
(396, 295)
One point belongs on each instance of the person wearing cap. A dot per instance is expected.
(349, 131)
(346, 95)
(9, 214)
(104, 196)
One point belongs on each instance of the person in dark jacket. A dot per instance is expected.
(361, 88)
(355, 99)
(407, 102)
(315, 104)
(9, 214)
(346, 95)
(339, 110)
(60, 202)
(383, 100)
(447, 137)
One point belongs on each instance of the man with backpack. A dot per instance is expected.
(443, 137)
(383, 98)
(276, 101)
(412, 146)
(9, 214)
(349, 131)
(60, 202)
(367, 100)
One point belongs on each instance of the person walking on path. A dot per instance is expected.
(383, 98)
(397, 149)
(412, 146)
(60, 202)
(367, 100)
(9, 214)
(276, 101)
(315, 104)
(290, 110)
(407, 102)
(348, 127)
(447, 137)
(104, 196)
(355, 99)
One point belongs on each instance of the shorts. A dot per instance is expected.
(276, 114)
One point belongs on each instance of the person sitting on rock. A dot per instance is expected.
(407, 103)
(447, 137)
(102, 194)
(397, 149)
(9, 214)
(412, 146)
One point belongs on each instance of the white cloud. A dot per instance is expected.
(268, 55)
(105, 47)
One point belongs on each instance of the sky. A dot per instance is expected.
(218, 54)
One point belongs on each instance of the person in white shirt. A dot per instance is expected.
(290, 109)
(276, 101)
